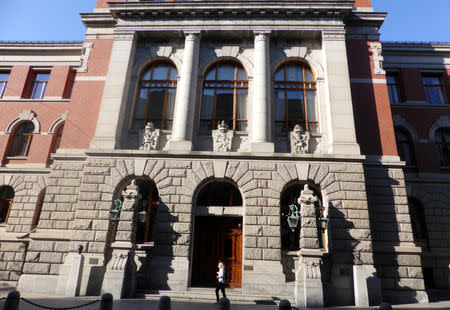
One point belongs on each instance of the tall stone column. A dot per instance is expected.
(185, 98)
(261, 108)
(342, 134)
(120, 275)
(308, 277)
(115, 94)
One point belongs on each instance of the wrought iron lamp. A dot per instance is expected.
(114, 214)
(293, 218)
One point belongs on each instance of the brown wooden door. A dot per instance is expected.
(217, 238)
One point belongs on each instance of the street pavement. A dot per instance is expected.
(142, 304)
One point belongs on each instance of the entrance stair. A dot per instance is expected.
(207, 295)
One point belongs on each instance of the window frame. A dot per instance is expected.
(34, 85)
(4, 83)
(171, 84)
(288, 124)
(16, 143)
(408, 142)
(443, 145)
(397, 85)
(9, 201)
(440, 89)
(214, 120)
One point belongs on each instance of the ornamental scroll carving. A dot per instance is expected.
(299, 140)
(222, 138)
(149, 137)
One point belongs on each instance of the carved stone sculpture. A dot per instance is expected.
(299, 140)
(150, 137)
(222, 138)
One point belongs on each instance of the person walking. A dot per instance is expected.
(220, 280)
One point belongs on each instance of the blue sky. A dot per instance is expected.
(59, 20)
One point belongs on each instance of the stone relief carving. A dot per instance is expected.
(299, 140)
(297, 51)
(222, 138)
(161, 51)
(118, 261)
(85, 57)
(149, 137)
(377, 58)
(312, 270)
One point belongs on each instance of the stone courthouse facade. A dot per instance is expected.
(182, 133)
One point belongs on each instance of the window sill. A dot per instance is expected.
(420, 105)
(16, 157)
(43, 100)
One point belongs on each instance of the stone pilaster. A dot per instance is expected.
(340, 110)
(261, 110)
(112, 109)
(185, 97)
(308, 232)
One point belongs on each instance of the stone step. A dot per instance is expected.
(235, 295)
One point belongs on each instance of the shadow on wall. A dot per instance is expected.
(156, 261)
(338, 265)
(400, 273)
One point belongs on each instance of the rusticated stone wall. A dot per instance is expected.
(12, 255)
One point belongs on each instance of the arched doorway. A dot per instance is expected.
(217, 235)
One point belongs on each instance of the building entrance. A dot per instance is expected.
(217, 238)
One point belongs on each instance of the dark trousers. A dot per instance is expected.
(220, 286)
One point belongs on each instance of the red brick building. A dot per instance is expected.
(250, 99)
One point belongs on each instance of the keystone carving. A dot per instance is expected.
(299, 140)
(222, 138)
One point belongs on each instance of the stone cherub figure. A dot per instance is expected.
(299, 140)
(222, 139)
(150, 137)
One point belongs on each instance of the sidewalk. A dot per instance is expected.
(139, 304)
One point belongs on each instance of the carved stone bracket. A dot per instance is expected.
(149, 137)
(222, 138)
(85, 57)
(377, 58)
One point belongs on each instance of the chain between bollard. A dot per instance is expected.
(56, 308)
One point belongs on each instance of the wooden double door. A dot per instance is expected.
(217, 238)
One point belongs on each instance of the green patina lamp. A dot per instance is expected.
(293, 218)
(114, 214)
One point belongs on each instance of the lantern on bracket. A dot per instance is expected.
(114, 213)
(293, 218)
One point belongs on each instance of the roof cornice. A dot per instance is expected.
(317, 8)
(41, 46)
(373, 19)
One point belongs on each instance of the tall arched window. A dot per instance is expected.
(443, 145)
(405, 146)
(156, 96)
(219, 194)
(225, 88)
(295, 98)
(21, 139)
(418, 220)
(6, 199)
(37, 211)
(148, 203)
(57, 138)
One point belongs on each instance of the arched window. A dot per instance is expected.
(290, 239)
(225, 88)
(156, 96)
(405, 146)
(443, 145)
(418, 220)
(219, 194)
(148, 203)
(295, 98)
(6, 199)
(37, 211)
(21, 139)
(57, 138)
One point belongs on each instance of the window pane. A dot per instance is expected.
(241, 106)
(279, 76)
(42, 76)
(311, 105)
(173, 73)
(431, 80)
(224, 105)
(37, 90)
(156, 103)
(211, 75)
(294, 73)
(207, 103)
(279, 105)
(391, 79)
(140, 104)
(170, 104)
(147, 74)
(309, 76)
(226, 72)
(160, 72)
(241, 75)
(22, 145)
(296, 110)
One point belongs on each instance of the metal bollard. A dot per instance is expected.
(223, 304)
(284, 305)
(164, 303)
(107, 302)
(385, 306)
(12, 301)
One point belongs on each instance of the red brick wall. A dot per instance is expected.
(362, 3)
(16, 82)
(373, 118)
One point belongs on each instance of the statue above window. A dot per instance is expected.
(149, 137)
